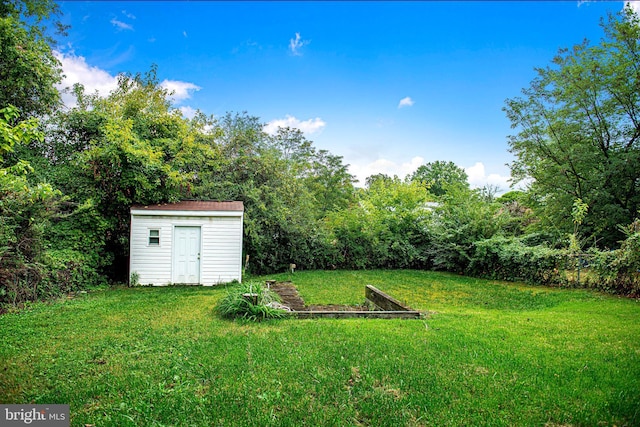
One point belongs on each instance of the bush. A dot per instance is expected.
(70, 270)
(236, 305)
(57, 273)
(387, 228)
(507, 258)
(619, 271)
(462, 218)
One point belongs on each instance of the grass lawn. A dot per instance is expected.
(490, 353)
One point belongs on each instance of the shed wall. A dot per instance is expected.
(220, 255)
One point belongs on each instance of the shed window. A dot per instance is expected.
(154, 237)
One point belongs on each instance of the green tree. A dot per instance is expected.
(578, 132)
(293, 147)
(462, 218)
(275, 176)
(28, 68)
(515, 205)
(325, 176)
(440, 175)
(386, 228)
(374, 179)
(107, 154)
(25, 208)
(330, 183)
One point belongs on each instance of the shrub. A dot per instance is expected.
(619, 271)
(236, 305)
(387, 228)
(70, 270)
(507, 258)
(56, 273)
(462, 218)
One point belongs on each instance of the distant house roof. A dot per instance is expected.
(193, 205)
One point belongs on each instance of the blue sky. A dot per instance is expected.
(387, 85)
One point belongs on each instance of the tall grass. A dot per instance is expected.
(251, 301)
(488, 354)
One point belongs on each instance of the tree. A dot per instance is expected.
(330, 183)
(24, 210)
(374, 179)
(293, 147)
(439, 175)
(109, 153)
(462, 218)
(519, 215)
(28, 68)
(578, 132)
(324, 174)
(386, 228)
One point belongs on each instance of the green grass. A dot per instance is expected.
(490, 353)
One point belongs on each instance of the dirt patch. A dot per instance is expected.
(381, 306)
(289, 295)
(292, 299)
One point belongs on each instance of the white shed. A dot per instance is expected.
(189, 242)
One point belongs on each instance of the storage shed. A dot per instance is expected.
(189, 242)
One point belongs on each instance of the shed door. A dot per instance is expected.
(186, 255)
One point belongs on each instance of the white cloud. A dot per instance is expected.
(76, 70)
(307, 126)
(385, 166)
(128, 15)
(406, 102)
(635, 5)
(121, 25)
(477, 174)
(179, 90)
(296, 44)
(478, 178)
(188, 112)
(184, 33)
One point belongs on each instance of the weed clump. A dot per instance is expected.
(251, 301)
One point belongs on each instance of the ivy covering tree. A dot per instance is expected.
(109, 153)
(578, 133)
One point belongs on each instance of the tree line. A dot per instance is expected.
(68, 178)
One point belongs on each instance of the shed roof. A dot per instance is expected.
(194, 205)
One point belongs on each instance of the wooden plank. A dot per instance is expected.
(404, 314)
(251, 297)
(382, 300)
